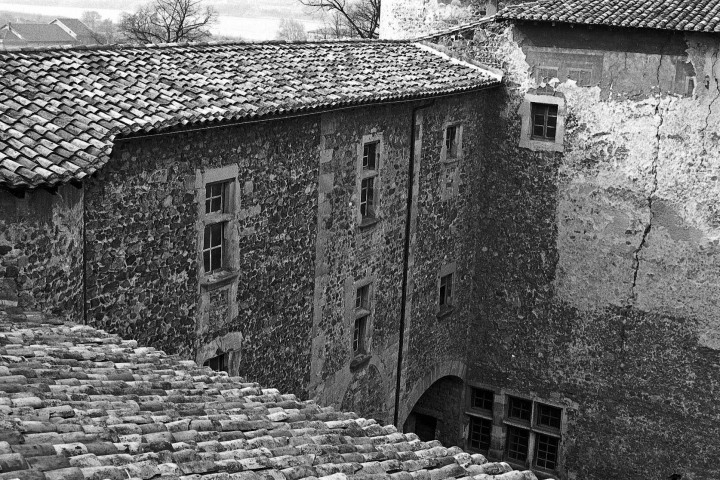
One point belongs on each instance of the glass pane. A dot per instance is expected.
(206, 237)
(206, 260)
(552, 110)
(482, 399)
(549, 416)
(538, 131)
(479, 434)
(546, 451)
(216, 230)
(216, 259)
(550, 133)
(519, 408)
(216, 204)
(369, 156)
(517, 444)
(551, 122)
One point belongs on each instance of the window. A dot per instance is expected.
(446, 291)
(218, 363)
(545, 74)
(451, 141)
(361, 320)
(218, 201)
(214, 242)
(481, 419)
(544, 121)
(368, 175)
(479, 433)
(533, 433)
(582, 76)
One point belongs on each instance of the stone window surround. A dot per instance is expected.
(525, 112)
(361, 174)
(498, 416)
(351, 314)
(447, 269)
(459, 136)
(229, 174)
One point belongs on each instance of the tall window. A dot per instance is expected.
(533, 433)
(369, 171)
(214, 243)
(544, 121)
(445, 294)
(481, 419)
(451, 141)
(362, 319)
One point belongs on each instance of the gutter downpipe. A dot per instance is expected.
(406, 257)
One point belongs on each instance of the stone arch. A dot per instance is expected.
(454, 368)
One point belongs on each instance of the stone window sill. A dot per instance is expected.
(360, 360)
(219, 278)
(368, 222)
(445, 311)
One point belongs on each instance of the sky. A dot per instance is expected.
(249, 19)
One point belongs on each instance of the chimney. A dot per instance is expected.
(491, 7)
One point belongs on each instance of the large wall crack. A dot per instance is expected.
(653, 190)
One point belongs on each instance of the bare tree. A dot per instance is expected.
(91, 19)
(361, 18)
(169, 21)
(291, 30)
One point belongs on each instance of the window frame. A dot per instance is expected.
(445, 308)
(360, 313)
(446, 154)
(368, 178)
(527, 140)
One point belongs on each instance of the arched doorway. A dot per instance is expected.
(437, 415)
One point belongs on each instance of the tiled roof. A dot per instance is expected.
(78, 27)
(79, 404)
(682, 15)
(42, 32)
(61, 109)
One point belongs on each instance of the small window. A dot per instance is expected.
(544, 121)
(479, 433)
(362, 298)
(216, 197)
(218, 363)
(516, 447)
(482, 399)
(546, 451)
(548, 416)
(446, 291)
(367, 197)
(213, 247)
(582, 76)
(359, 335)
(370, 156)
(451, 141)
(545, 74)
(519, 408)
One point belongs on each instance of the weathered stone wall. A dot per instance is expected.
(41, 250)
(143, 246)
(595, 269)
(347, 253)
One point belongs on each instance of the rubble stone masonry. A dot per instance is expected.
(595, 274)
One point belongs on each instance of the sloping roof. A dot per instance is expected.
(60, 110)
(42, 33)
(79, 404)
(681, 15)
(78, 27)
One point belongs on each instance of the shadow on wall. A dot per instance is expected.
(437, 414)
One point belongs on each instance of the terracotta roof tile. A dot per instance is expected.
(88, 96)
(682, 15)
(79, 404)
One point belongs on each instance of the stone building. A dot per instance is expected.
(288, 212)
(597, 239)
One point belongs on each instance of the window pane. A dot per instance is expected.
(215, 197)
(206, 260)
(216, 204)
(450, 135)
(361, 297)
(482, 399)
(369, 156)
(519, 408)
(366, 197)
(517, 444)
(552, 110)
(548, 416)
(359, 335)
(479, 433)
(442, 293)
(550, 133)
(551, 122)
(215, 234)
(546, 451)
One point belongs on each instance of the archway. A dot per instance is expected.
(437, 414)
